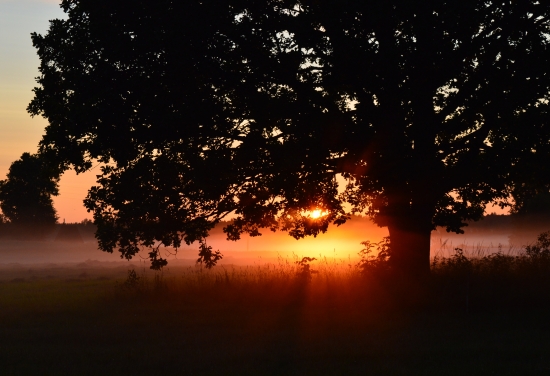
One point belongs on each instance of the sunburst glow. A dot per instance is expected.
(317, 214)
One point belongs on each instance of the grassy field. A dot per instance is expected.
(479, 316)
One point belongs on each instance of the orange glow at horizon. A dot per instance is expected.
(73, 189)
(339, 242)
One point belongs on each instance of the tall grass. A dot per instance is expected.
(284, 274)
(299, 315)
(460, 282)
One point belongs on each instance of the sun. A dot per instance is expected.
(318, 213)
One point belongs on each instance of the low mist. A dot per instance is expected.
(75, 243)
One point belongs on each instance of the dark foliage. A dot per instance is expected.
(429, 109)
(207, 255)
(494, 281)
(304, 268)
(369, 263)
(26, 194)
(533, 202)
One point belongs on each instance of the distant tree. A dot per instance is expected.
(25, 196)
(205, 108)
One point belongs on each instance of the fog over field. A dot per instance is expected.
(75, 244)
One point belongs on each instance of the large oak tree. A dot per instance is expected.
(429, 110)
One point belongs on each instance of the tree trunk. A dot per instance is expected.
(410, 250)
(409, 262)
(410, 246)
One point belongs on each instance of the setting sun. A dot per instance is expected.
(317, 213)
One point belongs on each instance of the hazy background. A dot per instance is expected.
(507, 234)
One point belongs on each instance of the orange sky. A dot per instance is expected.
(19, 63)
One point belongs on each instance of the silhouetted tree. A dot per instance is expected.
(534, 204)
(25, 196)
(204, 108)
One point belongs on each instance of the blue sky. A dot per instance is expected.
(18, 68)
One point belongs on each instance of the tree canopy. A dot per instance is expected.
(199, 109)
(25, 196)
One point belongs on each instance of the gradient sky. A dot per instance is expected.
(19, 63)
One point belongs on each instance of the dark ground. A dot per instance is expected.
(84, 322)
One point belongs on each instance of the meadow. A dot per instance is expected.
(475, 315)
